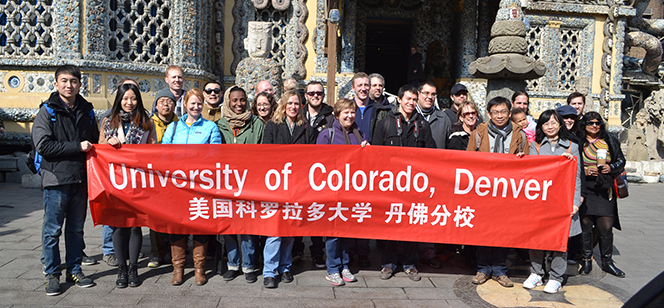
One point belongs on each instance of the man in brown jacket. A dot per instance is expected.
(496, 136)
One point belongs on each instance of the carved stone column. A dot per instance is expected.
(95, 29)
(468, 37)
(67, 29)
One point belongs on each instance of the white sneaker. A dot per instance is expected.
(348, 276)
(335, 279)
(552, 287)
(532, 281)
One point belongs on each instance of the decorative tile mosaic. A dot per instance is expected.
(39, 82)
(26, 28)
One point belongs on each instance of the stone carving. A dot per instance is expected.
(259, 41)
(645, 34)
(507, 66)
(260, 4)
(252, 70)
(280, 5)
(650, 118)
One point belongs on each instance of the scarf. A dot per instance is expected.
(235, 120)
(134, 134)
(426, 113)
(499, 136)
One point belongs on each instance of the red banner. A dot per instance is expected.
(376, 192)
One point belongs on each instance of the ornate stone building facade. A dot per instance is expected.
(581, 42)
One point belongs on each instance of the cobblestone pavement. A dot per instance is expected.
(637, 251)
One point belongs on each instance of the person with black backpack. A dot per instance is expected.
(64, 129)
(404, 127)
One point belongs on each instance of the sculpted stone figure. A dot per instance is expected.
(259, 41)
(645, 33)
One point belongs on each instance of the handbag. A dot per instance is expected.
(620, 185)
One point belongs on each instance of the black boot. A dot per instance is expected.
(133, 275)
(122, 276)
(587, 251)
(606, 248)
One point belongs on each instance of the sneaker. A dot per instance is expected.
(386, 273)
(269, 282)
(348, 276)
(363, 261)
(552, 287)
(533, 281)
(52, 285)
(88, 260)
(251, 277)
(504, 281)
(319, 262)
(154, 262)
(433, 262)
(287, 277)
(480, 278)
(110, 259)
(413, 274)
(335, 279)
(230, 275)
(80, 280)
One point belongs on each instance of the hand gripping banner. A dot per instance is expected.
(376, 192)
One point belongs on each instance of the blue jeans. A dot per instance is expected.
(410, 256)
(64, 202)
(491, 260)
(337, 254)
(248, 245)
(277, 256)
(107, 236)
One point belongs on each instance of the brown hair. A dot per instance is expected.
(343, 104)
(270, 99)
(280, 114)
(358, 75)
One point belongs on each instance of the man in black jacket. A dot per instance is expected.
(63, 131)
(403, 127)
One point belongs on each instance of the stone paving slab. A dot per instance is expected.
(637, 252)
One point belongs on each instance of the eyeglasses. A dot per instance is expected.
(215, 90)
(569, 117)
(473, 113)
(500, 112)
(594, 123)
(315, 93)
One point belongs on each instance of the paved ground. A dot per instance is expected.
(638, 250)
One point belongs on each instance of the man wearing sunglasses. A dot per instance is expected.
(212, 106)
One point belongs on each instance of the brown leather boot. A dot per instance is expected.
(199, 262)
(178, 254)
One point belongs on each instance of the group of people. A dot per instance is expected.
(65, 128)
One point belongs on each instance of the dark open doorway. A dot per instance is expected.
(388, 49)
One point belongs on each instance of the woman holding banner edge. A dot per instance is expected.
(191, 129)
(553, 138)
(343, 131)
(128, 123)
(288, 126)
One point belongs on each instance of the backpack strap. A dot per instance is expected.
(537, 147)
(330, 131)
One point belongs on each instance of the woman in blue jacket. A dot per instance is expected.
(191, 129)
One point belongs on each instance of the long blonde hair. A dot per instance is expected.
(280, 114)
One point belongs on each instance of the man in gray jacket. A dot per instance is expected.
(426, 106)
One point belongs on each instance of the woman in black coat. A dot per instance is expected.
(602, 161)
(288, 125)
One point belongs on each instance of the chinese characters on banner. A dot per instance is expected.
(411, 194)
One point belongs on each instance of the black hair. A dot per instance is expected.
(140, 119)
(519, 93)
(587, 117)
(498, 100)
(406, 88)
(68, 69)
(221, 87)
(238, 88)
(544, 117)
(428, 83)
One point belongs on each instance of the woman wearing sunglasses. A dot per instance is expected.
(602, 160)
(467, 115)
